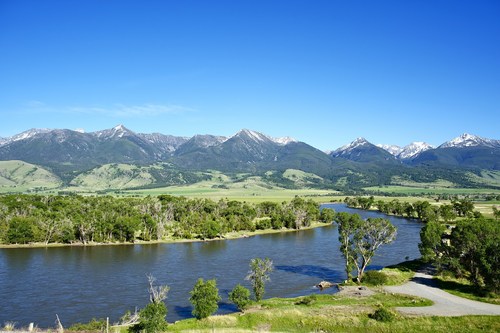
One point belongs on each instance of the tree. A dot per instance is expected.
(447, 213)
(327, 215)
(463, 207)
(347, 225)
(240, 296)
(374, 232)
(431, 240)
(152, 317)
(204, 298)
(20, 230)
(474, 251)
(259, 275)
(496, 212)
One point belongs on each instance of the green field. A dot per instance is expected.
(252, 192)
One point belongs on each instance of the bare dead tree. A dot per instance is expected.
(157, 294)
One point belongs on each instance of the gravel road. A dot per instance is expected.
(445, 304)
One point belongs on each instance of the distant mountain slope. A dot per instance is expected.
(121, 158)
(360, 150)
(22, 175)
(465, 151)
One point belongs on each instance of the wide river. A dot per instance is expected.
(81, 283)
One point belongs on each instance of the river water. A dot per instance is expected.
(81, 283)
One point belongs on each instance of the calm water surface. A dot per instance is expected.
(81, 283)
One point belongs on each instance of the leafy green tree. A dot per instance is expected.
(474, 251)
(447, 213)
(347, 226)
(463, 207)
(496, 212)
(259, 275)
(431, 240)
(204, 298)
(20, 230)
(373, 233)
(152, 316)
(210, 229)
(327, 215)
(240, 296)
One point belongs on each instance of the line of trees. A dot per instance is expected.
(469, 248)
(422, 210)
(78, 219)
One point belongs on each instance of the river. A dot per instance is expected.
(81, 283)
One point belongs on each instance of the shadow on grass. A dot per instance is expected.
(415, 265)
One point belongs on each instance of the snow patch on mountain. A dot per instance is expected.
(392, 149)
(118, 131)
(25, 135)
(351, 146)
(284, 140)
(413, 149)
(470, 140)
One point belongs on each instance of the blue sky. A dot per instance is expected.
(323, 72)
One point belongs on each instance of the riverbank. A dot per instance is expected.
(227, 236)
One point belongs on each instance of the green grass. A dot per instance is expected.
(334, 313)
(115, 176)
(251, 189)
(463, 288)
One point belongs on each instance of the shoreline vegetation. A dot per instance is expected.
(49, 221)
(229, 236)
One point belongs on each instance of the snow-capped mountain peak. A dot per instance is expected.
(414, 149)
(25, 135)
(255, 136)
(393, 149)
(118, 131)
(346, 149)
(284, 140)
(470, 140)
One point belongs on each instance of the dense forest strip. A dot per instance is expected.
(26, 219)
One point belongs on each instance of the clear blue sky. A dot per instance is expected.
(324, 72)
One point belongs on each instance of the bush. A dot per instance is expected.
(307, 300)
(93, 325)
(204, 298)
(375, 278)
(240, 296)
(152, 318)
(383, 315)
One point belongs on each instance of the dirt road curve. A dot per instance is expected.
(445, 304)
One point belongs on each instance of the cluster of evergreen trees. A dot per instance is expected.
(79, 219)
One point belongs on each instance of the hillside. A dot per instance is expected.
(20, 176)
(119, 158)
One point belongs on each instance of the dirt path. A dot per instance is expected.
(445, 304)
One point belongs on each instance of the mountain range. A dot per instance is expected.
(69, 154)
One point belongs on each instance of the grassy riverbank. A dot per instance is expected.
(343, 312)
